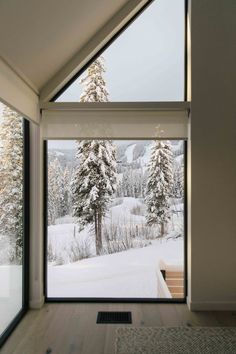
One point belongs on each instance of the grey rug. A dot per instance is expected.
(176, 340)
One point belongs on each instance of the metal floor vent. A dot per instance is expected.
(114, 317)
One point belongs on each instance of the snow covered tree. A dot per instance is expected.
(127, 183)
(95, 177)
(159, 185)
(55, 191)
(138, 183)
(93, 184)
(119, 189)
(94, 83)
(178, 183)
(11, 180)
(132, 182)
(66, 180)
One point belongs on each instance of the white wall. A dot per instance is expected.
(16, 93)
(212, 259)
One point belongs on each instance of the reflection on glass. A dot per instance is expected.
(146, 62)
(11, 215)
(115, 218)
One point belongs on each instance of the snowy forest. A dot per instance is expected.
(109, 196)
(11, 186)
(11, 214)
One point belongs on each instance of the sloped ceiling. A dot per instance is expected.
(38, 37)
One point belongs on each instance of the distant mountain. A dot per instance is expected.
(134, 152)
(139, 151)
(66, 157)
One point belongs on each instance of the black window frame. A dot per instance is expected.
(111, 300)
(26, 232)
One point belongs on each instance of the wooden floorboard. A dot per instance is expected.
(72, 328)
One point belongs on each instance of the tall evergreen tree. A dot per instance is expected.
(66, 180)
(93, 184)
(94, 83)
(11, 180)
(128, 183)
(94, 179)
(55, 191)
(178, 185)
(159, 185)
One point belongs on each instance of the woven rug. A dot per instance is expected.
(176, 340)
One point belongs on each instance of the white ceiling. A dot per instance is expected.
(38, 37)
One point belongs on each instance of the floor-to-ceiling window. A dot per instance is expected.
(115, 219)
(13, 217)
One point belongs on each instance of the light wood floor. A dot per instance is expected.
(72, 328)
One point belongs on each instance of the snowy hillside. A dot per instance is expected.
(124, 226)
(66, 157)
(128, 274)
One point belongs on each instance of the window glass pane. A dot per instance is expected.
(11, 215)
(115, 218)
(145, 63)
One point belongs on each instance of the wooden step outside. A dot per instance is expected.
(175, 282)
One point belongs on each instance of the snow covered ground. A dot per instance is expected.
(64, 237)
(122, 213)
(10, 294)
(128, 274)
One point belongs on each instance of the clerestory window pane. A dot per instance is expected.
(145, 63)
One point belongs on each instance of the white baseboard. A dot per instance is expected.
(36, 304)
(211, 306)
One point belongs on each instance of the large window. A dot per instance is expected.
(146, 62)
(13, 217)
(115, 226)
(115, 220)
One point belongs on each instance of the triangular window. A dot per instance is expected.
(145, 63)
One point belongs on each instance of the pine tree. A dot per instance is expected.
(55, 191)
(65, 191)
(94, 83)
(119, 190)
(138, 183)
(94, 179)
(93, 184)
(159, 185)
(178, 185)
(11, 180)
(130, 182)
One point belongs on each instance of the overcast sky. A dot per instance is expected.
(146, 63)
